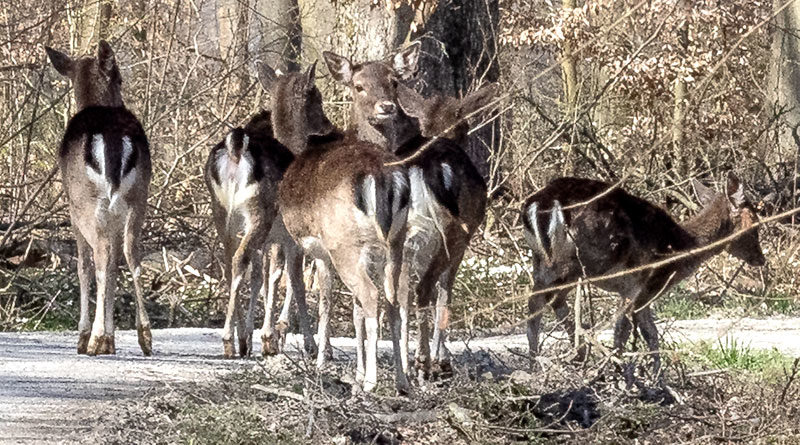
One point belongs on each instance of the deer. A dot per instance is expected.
(242, 175)
(583, 228)
(448, 194)
(104, 160)
(348, 209)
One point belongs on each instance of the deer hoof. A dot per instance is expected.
(245, 346)
(145, 340)
(227, 349)
(101, 345)
(83, 341)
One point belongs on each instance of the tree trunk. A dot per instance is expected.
(459, 46)
(569, 77)
(232, 21)
(277, 34)
(785, 73)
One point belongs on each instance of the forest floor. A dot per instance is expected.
(187, 393)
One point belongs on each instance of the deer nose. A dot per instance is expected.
(385, 107)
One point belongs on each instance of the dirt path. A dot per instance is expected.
(48, 394)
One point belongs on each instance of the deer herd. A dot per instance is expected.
(390, 203)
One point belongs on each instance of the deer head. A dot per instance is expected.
(374, 89)
(444, 116)
(732, 212)
(96, 80)
(297, 112)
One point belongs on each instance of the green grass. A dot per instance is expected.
(680, 306)
(732, 354)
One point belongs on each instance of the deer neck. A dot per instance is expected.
(710, 225)
(390, 135)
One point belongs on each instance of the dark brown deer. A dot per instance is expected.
(582, 228)
(347, 209)
(242, 175)
(448, 194)
(104, 160)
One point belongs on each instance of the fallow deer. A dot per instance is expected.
(104, 160)
(347, 209)
(585, 228)
(242, 175)
(448, 193)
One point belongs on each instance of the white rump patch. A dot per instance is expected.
(233, 190)
(99, 177)
(536, 239)
(369, 193)
(447, 176)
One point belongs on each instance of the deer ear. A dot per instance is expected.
(61, 62)
(340, 67)
(406, 62)
(734, 189)
(310, 75)
(266, 75)
(704, 194)
(412, 103)
(479, 99)
(105, 57)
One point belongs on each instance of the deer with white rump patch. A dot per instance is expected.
(104, 160)
(242, 175)
(585, 228)
(448, 194)
(347, 209)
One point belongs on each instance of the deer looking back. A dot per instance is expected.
(448, 194)
(347, 209)
(580, 227)
(104, 160)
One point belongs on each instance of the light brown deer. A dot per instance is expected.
(448, 194)
(347, 209)
(579, 228)
(104, 160)
(242, 175)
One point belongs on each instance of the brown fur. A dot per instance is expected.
(247, 229)
(401, 121)
(325, 201)
(608, 231)
(107, 220)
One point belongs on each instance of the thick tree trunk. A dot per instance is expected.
(785, 72)
(232, 21)
(276, 33)
(569, 80)
(458, 46)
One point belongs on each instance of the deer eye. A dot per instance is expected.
(359, 89)
(394, 83)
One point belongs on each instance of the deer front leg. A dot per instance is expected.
(270, 342)
(133, 227)
(296, 291)
(101, 340)
(85, 279)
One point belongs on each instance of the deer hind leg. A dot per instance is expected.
(133, 228)
(425, 291)
(398, 316)
(325, 280)
(441, 356)
(237, 265)
(85, 279)
(536, 305)
(561, 308)
(296, 291)
(101, 340)
(270, 340)
(246, 324)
